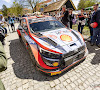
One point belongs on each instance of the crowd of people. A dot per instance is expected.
(9, 21)
(85, 17)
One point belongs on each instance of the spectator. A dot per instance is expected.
(81, 20)
(56, 15)
(65, 16)
(96, 31)
(98, 7)
(2, 21)
(3, 64)
(24, 15)
(11, 22)
(14, 18)
(89, 16)
(8, 18)
(71, 17)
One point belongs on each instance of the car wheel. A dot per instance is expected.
(31, 56)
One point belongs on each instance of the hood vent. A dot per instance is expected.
(38, 34)
(50, 41)
(73, 44)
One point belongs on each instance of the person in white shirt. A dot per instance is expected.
(2, 21)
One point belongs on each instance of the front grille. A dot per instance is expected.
(72, 53)
(81, 55)
(74, 59)
(81, 48)
(77, 56)
(69, 62)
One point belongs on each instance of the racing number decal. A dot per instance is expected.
(66, 38)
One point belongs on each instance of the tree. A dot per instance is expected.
(86, 3)
(29, 3)
(16, 9)
(4, 10)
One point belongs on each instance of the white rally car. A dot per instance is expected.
(53, 47)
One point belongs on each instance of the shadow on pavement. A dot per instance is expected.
(96, 50)
(23, 67)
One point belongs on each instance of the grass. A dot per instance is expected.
(86, 30)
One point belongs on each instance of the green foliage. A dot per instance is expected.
(86, 3)
(16, 9)
(4, 10)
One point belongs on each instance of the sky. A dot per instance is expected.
(8, 3)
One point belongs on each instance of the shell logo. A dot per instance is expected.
(66, 38)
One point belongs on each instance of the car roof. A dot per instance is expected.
(38, 16)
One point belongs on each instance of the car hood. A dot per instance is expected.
(60, 40)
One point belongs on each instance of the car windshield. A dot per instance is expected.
(46, 26)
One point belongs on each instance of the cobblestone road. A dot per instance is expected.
(22, 75)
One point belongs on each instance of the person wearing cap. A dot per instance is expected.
(96, 30)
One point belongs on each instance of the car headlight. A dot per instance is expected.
(48, 54)
(49, 58)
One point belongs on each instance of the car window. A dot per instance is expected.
(46, 26)
(24, 25)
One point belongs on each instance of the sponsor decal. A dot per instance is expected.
(55, 73)
(52, 36)
(66, 38)
(39, 19)
(61, 32)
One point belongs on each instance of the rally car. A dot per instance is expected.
(52, 46)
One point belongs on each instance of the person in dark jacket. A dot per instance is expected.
(71, 17)
(96, 31)
(89, 17)
(3, 64)
(65, 17)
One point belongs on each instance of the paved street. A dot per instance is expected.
(22, 75)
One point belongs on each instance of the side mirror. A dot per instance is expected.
(20, 28)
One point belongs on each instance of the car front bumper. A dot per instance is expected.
(60, 70)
